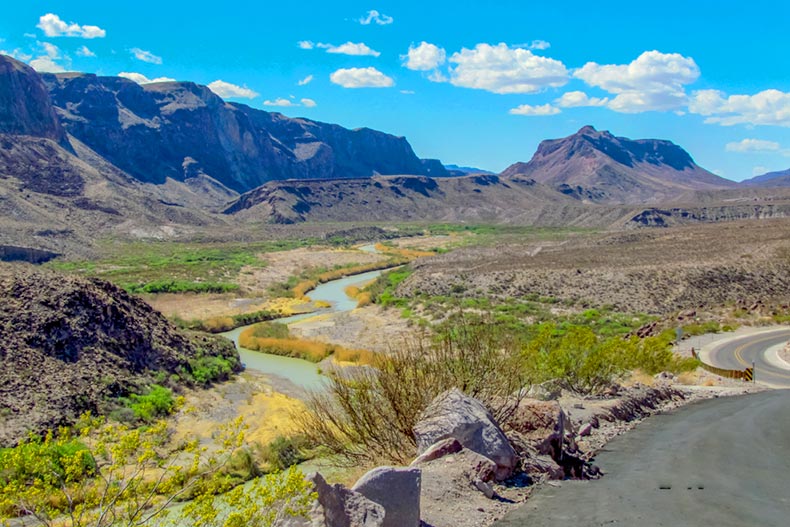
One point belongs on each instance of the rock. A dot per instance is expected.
(547, 391)
(397, 490)
(485, 488)
(338, 506)
(454, 414)
(585, 430)
(542, 467)
(536, 420)
(439, 449)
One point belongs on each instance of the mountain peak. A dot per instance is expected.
(25, 106)
(600, 166)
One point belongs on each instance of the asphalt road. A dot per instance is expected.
(740, 353)
(723, 462)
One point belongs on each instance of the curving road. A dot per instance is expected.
(759, 348)
(723, 462)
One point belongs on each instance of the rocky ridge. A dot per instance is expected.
(70, 344)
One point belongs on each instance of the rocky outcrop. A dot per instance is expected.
(600, 167)
(69, 344)
(25, 106)
(453, 414)
(179, 130)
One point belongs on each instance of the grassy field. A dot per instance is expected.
(173, 267)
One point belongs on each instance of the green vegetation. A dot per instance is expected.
(285, 452)
(176, 267)
(155, 403)
(226, 323)
(367, 415)
(382, 291)
(104, 475)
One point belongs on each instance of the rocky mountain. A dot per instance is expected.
(480, 198)
(595, 166)
(69, 344)
(179, 130)
(769, 180)
(457, 170)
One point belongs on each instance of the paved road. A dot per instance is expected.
(724, 462)
(741, 352)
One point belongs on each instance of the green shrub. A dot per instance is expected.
(158, 402)
(284, 452)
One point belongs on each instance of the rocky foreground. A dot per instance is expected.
(70, 344)
(470, 471)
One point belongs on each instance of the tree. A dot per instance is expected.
(102, 474)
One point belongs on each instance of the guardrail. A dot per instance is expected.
(746, 375)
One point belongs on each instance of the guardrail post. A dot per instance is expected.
(754, 374)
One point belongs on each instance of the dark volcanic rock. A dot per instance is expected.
(597, 166)
(25, 107)
(180, 129)
(68, 344)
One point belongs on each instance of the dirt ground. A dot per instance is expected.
(371, 328)
(653, 271)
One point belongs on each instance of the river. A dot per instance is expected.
(301, 372)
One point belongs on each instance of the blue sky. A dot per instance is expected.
(470, 83)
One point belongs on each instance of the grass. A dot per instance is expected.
(175, 267)
(275, 339)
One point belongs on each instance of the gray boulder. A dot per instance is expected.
(442, 448)
(453, 414)
(338, 506)
(397, 490)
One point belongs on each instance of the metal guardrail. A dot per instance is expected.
(746, 375)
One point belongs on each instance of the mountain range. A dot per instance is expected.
(83, 155)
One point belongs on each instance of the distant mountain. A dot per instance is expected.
(178, 130)
(596, 166)
(457, 170)
(769, 180)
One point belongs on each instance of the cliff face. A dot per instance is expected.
(25, 107)
(179, 130)
(600, 167)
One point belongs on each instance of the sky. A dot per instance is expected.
(470, 83)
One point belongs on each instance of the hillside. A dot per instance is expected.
(481, 198)
(178, 130)
(769, 180)
(68, 345)
(594, 166)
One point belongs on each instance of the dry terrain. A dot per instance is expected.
(655, 271)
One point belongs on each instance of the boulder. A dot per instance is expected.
(453, 414)
(397, 490)
(438, 450)
(338, 506)
(535, 420)
(542, 467)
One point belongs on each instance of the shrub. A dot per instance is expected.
(158, 402)
(367, 414)
(284, 452)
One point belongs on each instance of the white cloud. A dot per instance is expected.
(53, 26)
(17, 54)
(305, 44)
(574, 99)
(46, 63)
(85, 52)
(145, 56)
(753, 145)
(526, 109)
(769, 107)
(502, 69)
(227, 90)
(281, 101)
(308, 103)
(535, 44)
(407, 92)
(424, 57)
(305, 81)
(349, 48)
(374, 16)
(139, 78)
(361, 78)
(654, 81)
